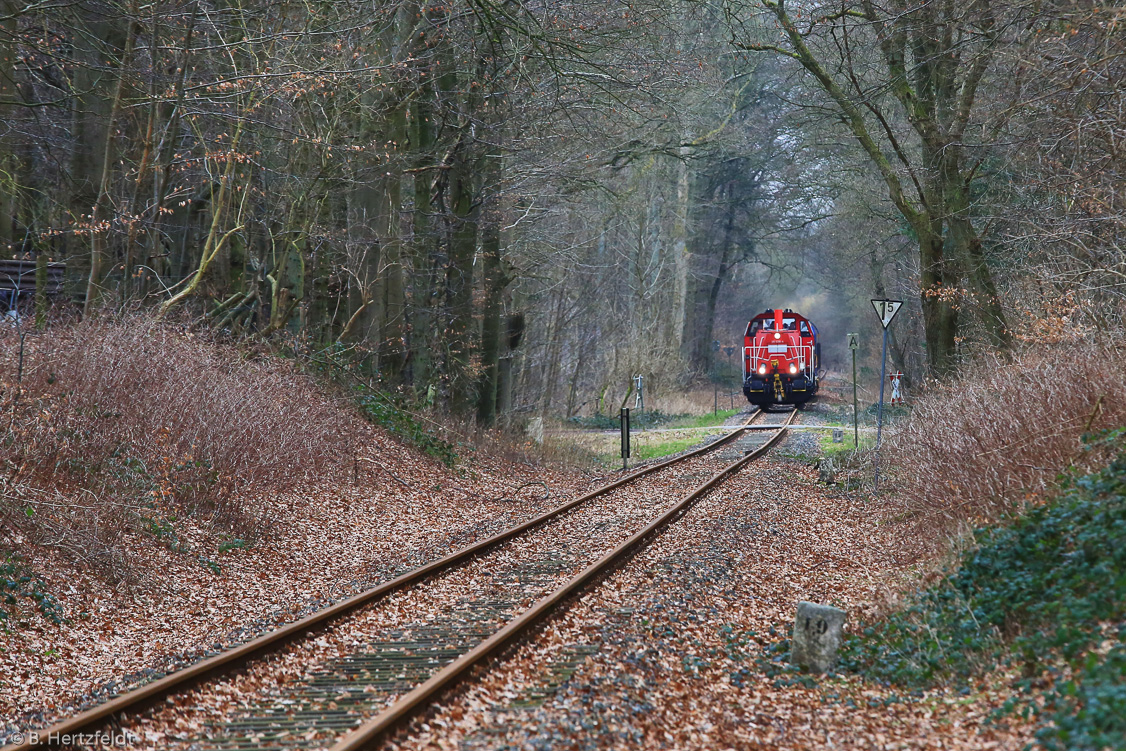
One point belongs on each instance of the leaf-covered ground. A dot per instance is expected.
(681, 640)
(316, 678)
(330, 540)
(674, 650)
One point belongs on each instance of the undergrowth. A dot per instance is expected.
(398, 415)
(18, 584)
(120, 427)
(1046, 594)
(392, 415)
(979, 448)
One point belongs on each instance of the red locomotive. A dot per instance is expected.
(781, 359)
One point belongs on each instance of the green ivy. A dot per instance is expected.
(1036, 594)
(18, 583)
(236, 543)
(383, 410)
(210, 565)
(343, 364)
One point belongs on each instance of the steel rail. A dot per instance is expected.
(228, 660)
(367, 734)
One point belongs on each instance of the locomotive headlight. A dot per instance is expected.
(793, 369)
(762, 370)
(777, 335)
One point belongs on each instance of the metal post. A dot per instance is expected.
(730, 351)
(625, 437)
(855, 410)
(715, 377)
(880, 412)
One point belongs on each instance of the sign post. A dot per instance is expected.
(715, 378)
(625, 438)
(729, 351)
(639, 402)
(853, 345)
(886, 310)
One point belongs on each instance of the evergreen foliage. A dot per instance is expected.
(1046, 593)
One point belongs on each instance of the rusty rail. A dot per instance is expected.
(366, 735)
(181, 680)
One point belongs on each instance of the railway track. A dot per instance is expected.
(346, 676)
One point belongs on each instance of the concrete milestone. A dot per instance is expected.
(817, 636)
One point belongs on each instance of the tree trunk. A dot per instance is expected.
(717, 285)
(170, 117)
(576, 376)
(514, 334)
(424, 280)
(966, 244)
(287, 286)
(363, 261)
(940, 316)
(93, 102)
(553, 351)
(214, 242)
(100, 214)
(392, 329)
(459, 276)
(9, 184)
(680, 230)
(495, 281)
(365, 226)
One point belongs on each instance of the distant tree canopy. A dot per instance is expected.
(516, 206)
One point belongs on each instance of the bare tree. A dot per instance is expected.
(905, 80)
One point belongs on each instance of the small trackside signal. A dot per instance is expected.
(625, 437)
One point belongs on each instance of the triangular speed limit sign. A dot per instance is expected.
(886, 310)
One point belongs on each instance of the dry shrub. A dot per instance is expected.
(982, 448)
(127, 424)
(689, 401)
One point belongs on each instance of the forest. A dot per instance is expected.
(318, 317)
(509, 208)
